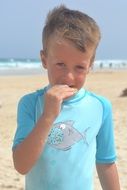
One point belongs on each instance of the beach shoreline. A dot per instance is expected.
(23, 71)
(42, 71)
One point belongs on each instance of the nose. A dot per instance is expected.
(69, 78)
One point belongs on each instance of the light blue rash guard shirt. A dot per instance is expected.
(81, 136)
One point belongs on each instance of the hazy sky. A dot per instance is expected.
(21, 23)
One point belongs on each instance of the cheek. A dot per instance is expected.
(81, 79)
(53, 76)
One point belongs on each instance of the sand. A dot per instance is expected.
(110, 84)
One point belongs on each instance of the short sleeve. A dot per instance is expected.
(106, 152)
(25, 118)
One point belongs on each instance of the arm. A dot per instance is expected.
(108, 176)
(28, 151)
(106, 153)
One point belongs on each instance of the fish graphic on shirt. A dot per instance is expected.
(63, 135)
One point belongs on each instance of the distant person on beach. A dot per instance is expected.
(63, 129)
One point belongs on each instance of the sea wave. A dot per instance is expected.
(19, 64)
(110, 64)
(8, 64)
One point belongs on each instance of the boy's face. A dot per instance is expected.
(66, 64)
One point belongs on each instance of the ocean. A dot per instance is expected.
(20, 66)
(6, 64)
(33, 66)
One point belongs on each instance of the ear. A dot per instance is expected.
(91, 63)
(90, 67)
(88, 70)
(43, 59)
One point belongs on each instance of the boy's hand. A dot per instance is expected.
(54, 98)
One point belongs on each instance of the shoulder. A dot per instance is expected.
(103, 100)
(29, 100)
(105, 103)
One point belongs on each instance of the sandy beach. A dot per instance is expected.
(109, 84)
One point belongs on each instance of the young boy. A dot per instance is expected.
(63, 128)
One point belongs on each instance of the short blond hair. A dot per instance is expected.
(71, 25)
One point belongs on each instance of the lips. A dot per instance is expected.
(71, 86)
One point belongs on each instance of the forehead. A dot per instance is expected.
(59, 47)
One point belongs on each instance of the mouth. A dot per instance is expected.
(71, 86)
(75, 89)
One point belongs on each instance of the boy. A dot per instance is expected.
(62, 128)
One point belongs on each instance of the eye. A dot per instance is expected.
(60, 64)
(81, 68)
